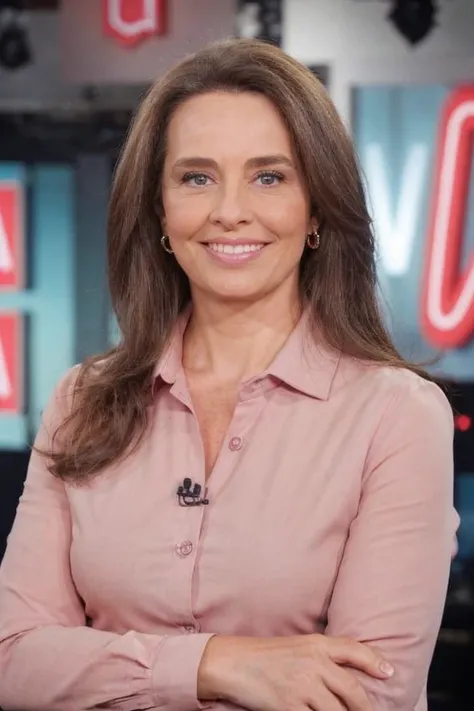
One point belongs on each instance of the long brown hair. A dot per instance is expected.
(112, 392)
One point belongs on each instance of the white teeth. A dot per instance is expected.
(234, 249)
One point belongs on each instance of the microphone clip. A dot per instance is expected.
(188, 496)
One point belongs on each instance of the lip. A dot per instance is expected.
(236, 259)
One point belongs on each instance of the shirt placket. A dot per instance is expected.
(187, 528)
(190, 521)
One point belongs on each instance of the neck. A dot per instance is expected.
(235, 342)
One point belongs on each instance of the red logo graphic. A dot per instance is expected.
(132, 21)
(11, 235)
(447, 309)
(11, 363)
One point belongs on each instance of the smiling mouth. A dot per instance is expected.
(220, 248)
(233, 255)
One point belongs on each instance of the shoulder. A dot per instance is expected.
(400, 416)
(419, 400)
(59, 405)
(63, 391)
(72, 381)
(82, 379)
(397, 392)
(62, 400)
(413, 425)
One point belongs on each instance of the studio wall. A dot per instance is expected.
(399, 134)
(46, 302)
(391, 97)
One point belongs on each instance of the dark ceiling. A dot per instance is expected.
(42, 4)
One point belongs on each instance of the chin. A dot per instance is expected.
(230, 293)
(237, 296)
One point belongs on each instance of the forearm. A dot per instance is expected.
(66, 669)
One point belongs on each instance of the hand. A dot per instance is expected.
(281, 673)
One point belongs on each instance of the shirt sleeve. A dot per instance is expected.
(392, 582)
(50, 660)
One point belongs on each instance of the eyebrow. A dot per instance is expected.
(257, 162)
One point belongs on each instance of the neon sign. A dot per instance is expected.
(447, 307)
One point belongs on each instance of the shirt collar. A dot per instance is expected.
(304, 363)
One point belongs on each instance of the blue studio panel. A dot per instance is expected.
(396, 130)
(48, 299)
(465, 507)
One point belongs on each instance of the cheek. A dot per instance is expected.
(287, 219)
(184, 215)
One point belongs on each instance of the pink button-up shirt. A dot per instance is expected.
(330, 510)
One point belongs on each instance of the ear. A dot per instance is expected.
(162, 220)
(159, 212)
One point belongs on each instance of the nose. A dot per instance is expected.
(231, 207)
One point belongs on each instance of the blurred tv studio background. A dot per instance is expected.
(401, 73)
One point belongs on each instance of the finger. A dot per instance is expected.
(347, 688)
(360, 656)
(325, 700)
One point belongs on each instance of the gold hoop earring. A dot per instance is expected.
(165, 243)
(313, 240)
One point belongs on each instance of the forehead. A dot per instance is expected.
(242, 122)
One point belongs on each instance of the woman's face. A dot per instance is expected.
(236, 210)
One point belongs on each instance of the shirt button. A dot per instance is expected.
(184, 549)
(190, 629)
(235, 444)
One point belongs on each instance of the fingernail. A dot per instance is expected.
(386, 668)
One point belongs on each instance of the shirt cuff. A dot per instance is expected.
(175, 672)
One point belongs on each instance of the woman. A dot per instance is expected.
(308, 567)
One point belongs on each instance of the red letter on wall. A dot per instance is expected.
(11, 363)
(11, 236)
(131, 21)
(447, 309)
